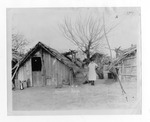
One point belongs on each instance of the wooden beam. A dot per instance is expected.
(133, 57)
(125, 66)
(128, 75)
(43, 68)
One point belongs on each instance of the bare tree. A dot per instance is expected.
(19, 43)
(86, 34)
(18, 47)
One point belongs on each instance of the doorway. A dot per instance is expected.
(36, 71)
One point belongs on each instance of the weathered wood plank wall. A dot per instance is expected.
(55, 71)
(128, 69)
(24, 74)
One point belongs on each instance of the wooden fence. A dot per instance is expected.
(128, 69)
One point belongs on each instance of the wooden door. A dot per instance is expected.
(37, 78)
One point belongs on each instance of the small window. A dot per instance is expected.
(36, 64)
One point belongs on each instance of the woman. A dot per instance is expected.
(92, 72)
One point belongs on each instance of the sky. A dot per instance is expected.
(42, 24)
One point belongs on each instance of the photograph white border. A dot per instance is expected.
(136, 109)
(145, 19)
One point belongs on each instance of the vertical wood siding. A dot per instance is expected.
(24, 74)
(56, 72)
(128, 69)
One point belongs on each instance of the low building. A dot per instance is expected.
(43, 66)
(126, 63)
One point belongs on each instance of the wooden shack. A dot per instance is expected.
(126, 63)
(43, 66)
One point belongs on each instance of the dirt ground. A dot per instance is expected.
(106, 94)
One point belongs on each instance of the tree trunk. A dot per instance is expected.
(88, 51)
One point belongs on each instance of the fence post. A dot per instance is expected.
(122, 74)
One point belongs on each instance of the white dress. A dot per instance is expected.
(92, 73)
